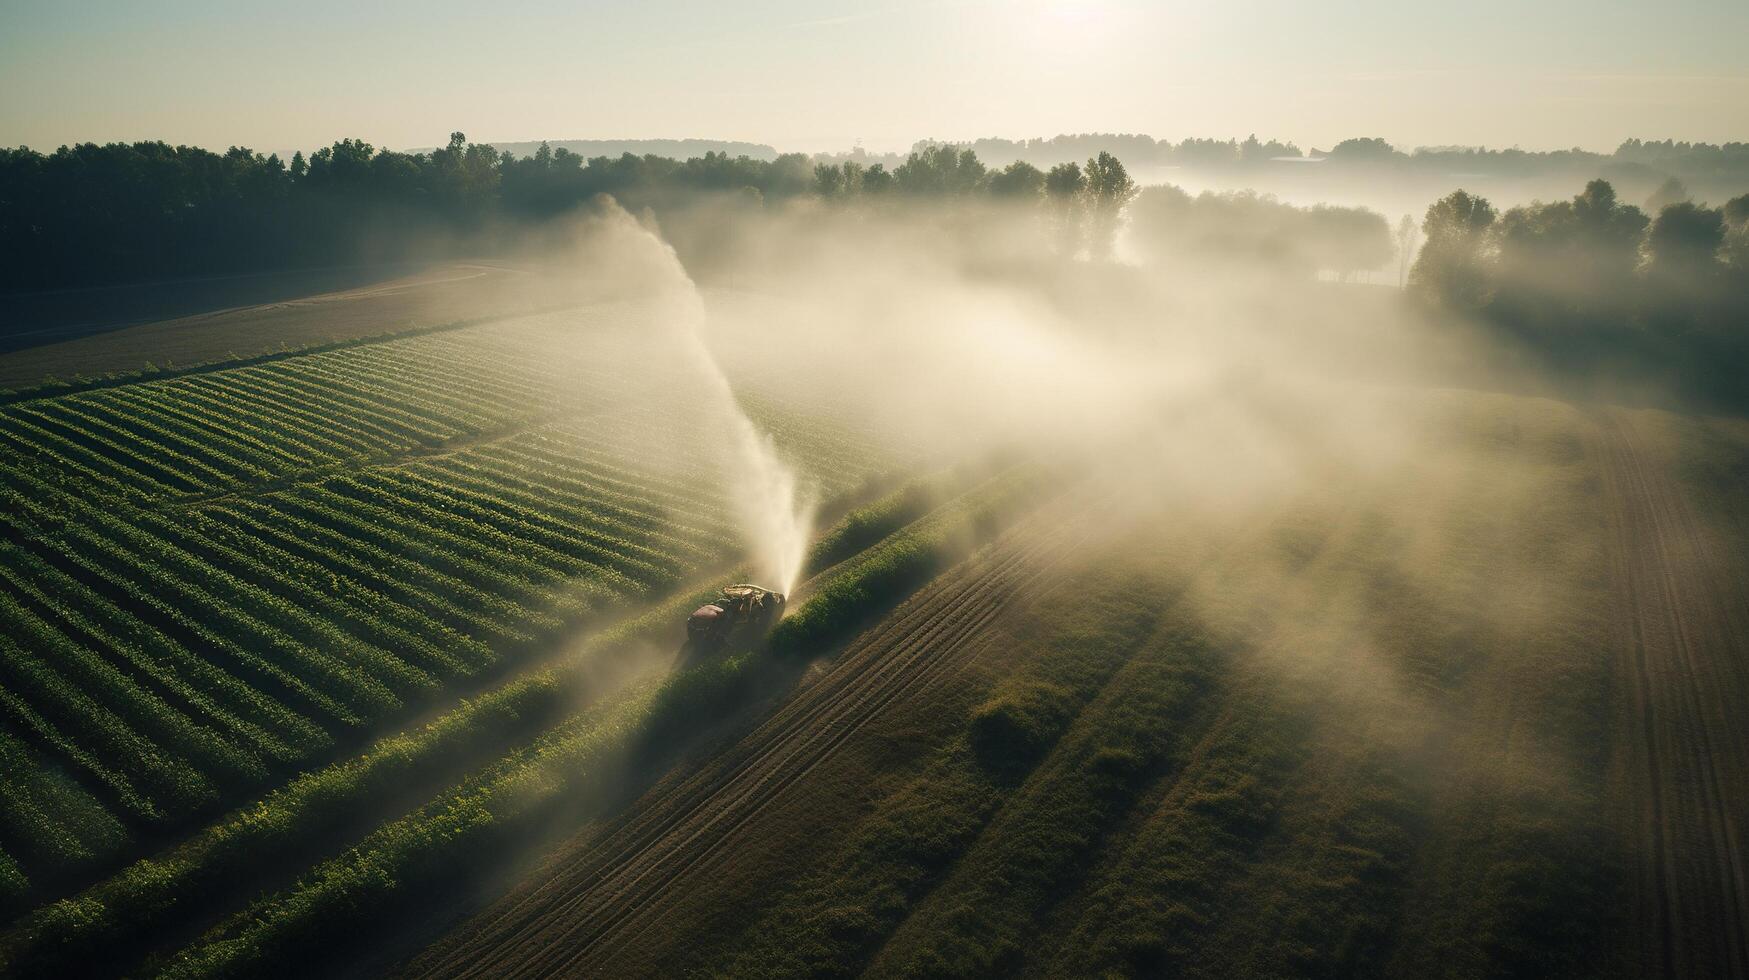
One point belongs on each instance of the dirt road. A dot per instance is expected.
(1682, 751)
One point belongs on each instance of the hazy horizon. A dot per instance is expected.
(826, 77)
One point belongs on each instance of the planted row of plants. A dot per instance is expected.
(225, 858)
(217, 559)
(199, 564)
(122, 914)
(185, 434)
(444, 843)
(50, 822)
(136, 592)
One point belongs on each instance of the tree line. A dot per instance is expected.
(1083, 203)
(1671, 157)
(1599, 287)
(93, 214)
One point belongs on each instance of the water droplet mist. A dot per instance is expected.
(774, 511)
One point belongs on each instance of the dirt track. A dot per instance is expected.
(1682, 751)
(601, 899)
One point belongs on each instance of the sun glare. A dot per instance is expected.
(1070, 26)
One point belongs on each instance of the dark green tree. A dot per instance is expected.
(1736, 250)
(1109, 191)
(877, 180)
(1066, 192)
(939, 169)
(1682, 247)
(1019, 181)
(1453, 267)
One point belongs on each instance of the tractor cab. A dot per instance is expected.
(742, 612)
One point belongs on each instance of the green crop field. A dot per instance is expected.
(212, 583)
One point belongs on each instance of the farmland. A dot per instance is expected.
(1372, 733)
(218, 581)
(362, 655)
(61, 337)
(1073, 488)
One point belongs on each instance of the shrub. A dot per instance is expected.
(1012, 730)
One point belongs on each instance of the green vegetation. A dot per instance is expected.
(1601, 291)
(121, 916)
(1019, 723)
(163, 211)
(445, 842)
(857, 591)
(212, 580)
(830, 921)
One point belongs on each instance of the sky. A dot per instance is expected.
(829, 74)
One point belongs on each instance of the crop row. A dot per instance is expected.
(235, 427)
(223, 860)
(210, 581)
(50, 823)
(125, 911)
(463, 830)
(287, 580)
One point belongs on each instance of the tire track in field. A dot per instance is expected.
(619, 885)
(921, 630)
(1686, 757)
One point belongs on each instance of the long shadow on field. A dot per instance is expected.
(34, 319)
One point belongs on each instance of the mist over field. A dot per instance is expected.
(753, 502)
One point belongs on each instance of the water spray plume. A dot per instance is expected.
(775, 513)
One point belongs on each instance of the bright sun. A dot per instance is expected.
(1070, 24)
(1072, 15)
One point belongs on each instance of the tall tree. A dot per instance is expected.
(1019, 181)
(1453, 265)
(1682, 247)
(1066, 191)
(1109, 191)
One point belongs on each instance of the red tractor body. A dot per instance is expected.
(742, 612)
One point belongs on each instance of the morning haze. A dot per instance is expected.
(959, 490)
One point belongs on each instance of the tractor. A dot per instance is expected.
(742, 613)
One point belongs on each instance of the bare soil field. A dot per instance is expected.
(1682, 628)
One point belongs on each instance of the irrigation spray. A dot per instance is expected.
(776, 514)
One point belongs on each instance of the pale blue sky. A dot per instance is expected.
(826, 73)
